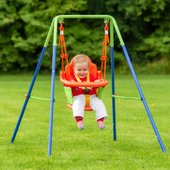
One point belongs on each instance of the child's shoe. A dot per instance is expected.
(101, 124)
(80, 125)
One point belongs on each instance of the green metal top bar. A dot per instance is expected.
(82, 16)
(60, 18)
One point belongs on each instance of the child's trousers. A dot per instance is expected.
(95, 103)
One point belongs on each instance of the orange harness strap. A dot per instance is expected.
(104, 50)
(87, 80)
(64, 55)
(87, 96)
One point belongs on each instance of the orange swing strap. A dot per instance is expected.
(62, 43)
(104, 50)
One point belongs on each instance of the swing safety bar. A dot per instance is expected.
(101, 83)
(53, 31)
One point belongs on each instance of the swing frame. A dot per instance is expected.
(113, 28)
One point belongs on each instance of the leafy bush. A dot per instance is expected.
(24, 25)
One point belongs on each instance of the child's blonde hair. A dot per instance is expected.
(81, 58)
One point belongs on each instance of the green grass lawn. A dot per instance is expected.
(90, 149)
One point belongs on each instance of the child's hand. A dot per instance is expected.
(97, 81)
(72, 80)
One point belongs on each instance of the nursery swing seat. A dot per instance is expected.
(67, 71)
(66, 76)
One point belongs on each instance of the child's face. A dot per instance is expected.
(81, 69)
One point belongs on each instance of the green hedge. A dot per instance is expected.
(24, 25)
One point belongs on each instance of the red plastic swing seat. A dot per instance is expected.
(66, 76)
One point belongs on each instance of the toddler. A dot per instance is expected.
(81, 73)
